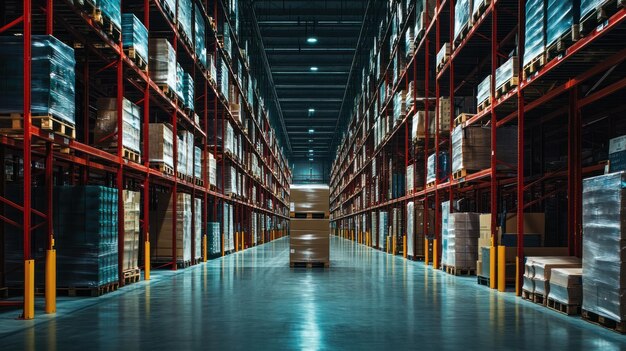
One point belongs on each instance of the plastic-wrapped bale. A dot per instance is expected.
(163, 63)
(197, 226)
(471, 147)
(185, 19)
(181, 155)
(430, 176)
(566, 286)
(180, 83)
(604, 240)
(135, 38)
(535, 35)
(543, 271)
(197, 162)
(507, 73)
(188, 93)
(52, 80)
(161, 221)
(445, 224)
(161, 144)
(383, 229)
(483, 92)
(200, 37)
(461, 18)
(562, 17)
(111, 9)
(105, 131)
(132, 215)
(214, 238)
(463, 233)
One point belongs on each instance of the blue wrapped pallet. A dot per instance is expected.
(169, 6)
(461, 18)
(483, 92)
(535, 34)
(180, 77)
(587, 7)
(111, 9)
(199, 37)
(185, 19)
(562, 15)
(53, 79)
(188, 93)
(135, 37)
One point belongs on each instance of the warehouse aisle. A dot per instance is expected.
(252, 300)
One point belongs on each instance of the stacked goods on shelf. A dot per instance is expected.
(617, 154)
(442, 56)
(200, 37)
(461, 19)
(424, 9)
(566, 286)
(443, 166)
(112, 10)
(537, 273)
(188, 93)
(444, 114)
(163, 64)
(462, 245)
(484, 243)
(181, 156)
(170, 8)
(396, 230)
(52, 77)
(383, 229)
(410, 179)
(562, 18)
(135, 38)
(229, 231)
(211, 165)
(374, 229)
(445, 224)
(483, 93)
(230, 181)
(604, 200)
(222, 77)
(506, 76)
(85, 234)
(418, 125)
(189, 153)
(197, 228)
(180, 83)
(197, 162)
(535, 35)
(161, 145)
(161, 224)
(399, 106)
(132, 216)
(471, 148)
(105, 131)
(214, 239)
(184, 19)
(229, 139)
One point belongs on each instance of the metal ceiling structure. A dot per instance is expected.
(310, 47)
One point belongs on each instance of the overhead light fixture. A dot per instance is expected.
(311, 40)
(310, 159)
(310, 140)
(314, 68)
(311, 131)
(311, 110)
(311, 150)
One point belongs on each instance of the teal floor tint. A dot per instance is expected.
(252, 300)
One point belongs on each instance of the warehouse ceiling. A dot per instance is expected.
(310, 47)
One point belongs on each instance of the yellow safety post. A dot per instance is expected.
(243, 241)
(492, 267)
(205, 250)
(51, 281)
(236, 241)
(29, 289)
(518, 288)
(146, 261)
(426, 256)
(387, 246)
(501, 268)
(404, 251)
(394, 239)
(222, 244)
(435, 255)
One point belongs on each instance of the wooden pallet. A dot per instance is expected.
(168, 91)
(458, 270)
(598, 17)
(13, 123)
(534, 297)
(565, 41)
(591, 317)
(180, 175)
(171, 13)
(126, 154)
(534, 66)
(484, 4)
(462, 34)
(309, 265)
(440, 65)
(132, 276)
(567, 309)
(110, 28)
(74, 291)
(162, 167)
(462, 118)
(483, 105)
(507, 86)
(461, 173)
(199, 182)
(430, 185)
(483, 281)
(141, 63)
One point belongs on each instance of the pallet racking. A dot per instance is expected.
(105, 68)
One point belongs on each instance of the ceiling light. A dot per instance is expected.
(310, 159)
(310, 140)
(311, 131)
(311, 40)
(311, 150)
(311, 110)
(314, 68)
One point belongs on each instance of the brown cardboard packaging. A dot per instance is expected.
(309, 240)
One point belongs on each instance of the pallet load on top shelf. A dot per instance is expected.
(184, 19)
(135, 39)
(105, 130)
(161, 223)
(462, 243)
(604, 230)
(534, 36)
(562, 18)
(112, 11)
(197, 223)
(461, 19)
(50, 58)
(161, 147)
(199, 35)
(163, 65)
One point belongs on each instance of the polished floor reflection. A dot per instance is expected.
(253, 301)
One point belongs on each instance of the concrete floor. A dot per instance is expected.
(254, 301)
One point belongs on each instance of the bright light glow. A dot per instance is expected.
(310, 159)
(311, 110)
(311, 40)
(314, 69)
(311, 131)
(310, 140)
(311, 150)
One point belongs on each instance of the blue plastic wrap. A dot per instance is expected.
(589, 6)
(180, 82)
(170, 8)
(111, 9)
(445, 220)
(561, 16)
(53, 79)
(483, 93)
(106, 124)
(135, 35)
(185, 18)
(506, 72)
(200, 37)
(188, 93)
(535, 35)
(163, 63)
(461, 16)
(383, 229)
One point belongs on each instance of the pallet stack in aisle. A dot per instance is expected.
(162, 220)
(132, 219)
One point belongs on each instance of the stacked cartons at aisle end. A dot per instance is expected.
(463, 233)
(566, 286)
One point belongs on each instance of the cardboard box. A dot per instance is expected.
(309, 240)
(309, 198)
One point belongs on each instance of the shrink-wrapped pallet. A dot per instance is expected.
(566, 285)
(161, 223)
(214, 238)
(463, 233)
(135, 36)
(105, 130)
(132, 216)
(161, 144)
(445, 224)
(483, 92)
(111, 9)
(535, 35)
(199, 35)
(507, 72)
(163, 63)
(461, 17)
(383, 229)
(562, 15)
(419, 125)
(197, 222)
(184, 18)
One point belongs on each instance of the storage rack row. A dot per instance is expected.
(63, 154)
(548, 125)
